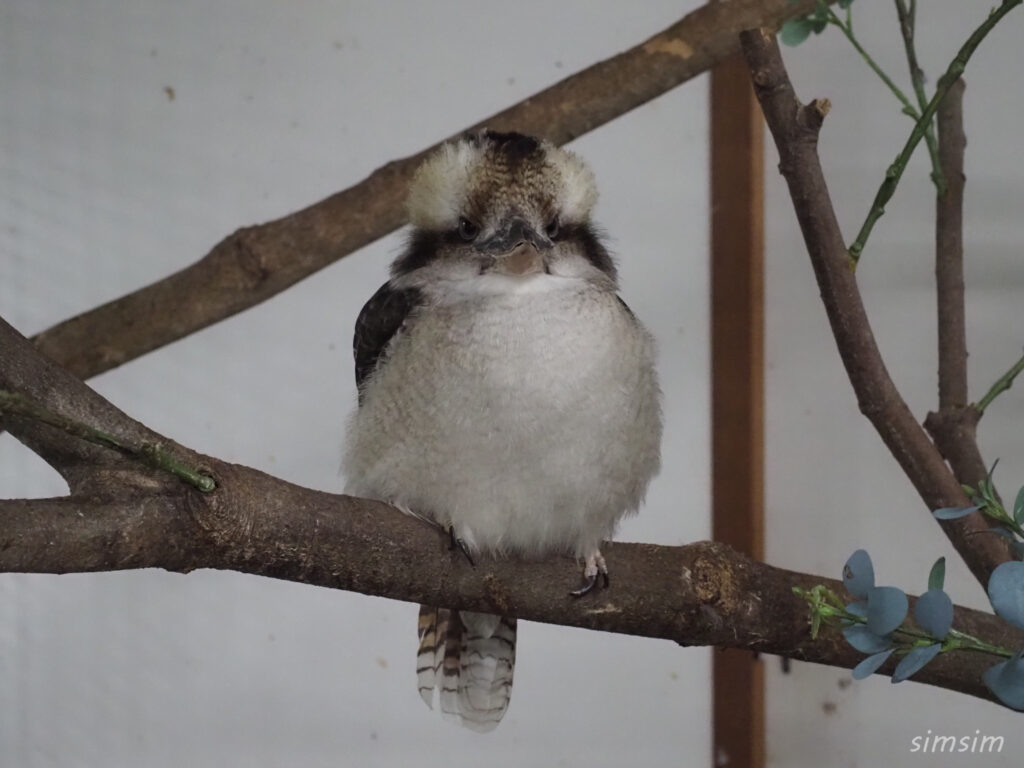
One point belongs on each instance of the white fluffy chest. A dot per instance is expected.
(528, 421)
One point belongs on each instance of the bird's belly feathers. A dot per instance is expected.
(529, 422)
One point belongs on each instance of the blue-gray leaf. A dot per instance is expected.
(858, 609)
(795, 31)
(864, 640)
(871, 664)
(934, 612)
(1002, 532)
(913, 661)
(887, 608)
(953, 513)
(1006, 681)
(1018, 507)
(1006, 592)
(937, 575)
(859, 574)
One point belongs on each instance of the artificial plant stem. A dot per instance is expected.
(1004, 383)
(149, 453)
(895, 171)
(907, 25)
(847, 30)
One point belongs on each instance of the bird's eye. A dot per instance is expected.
(468, 230)
(552, 229)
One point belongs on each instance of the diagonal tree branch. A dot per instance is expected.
(795, 127)
(48, 389)
(258, 262)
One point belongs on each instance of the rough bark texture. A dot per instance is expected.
(949, 252)
(123, 515)
(258, 262)
(954, 425)
(795, 128)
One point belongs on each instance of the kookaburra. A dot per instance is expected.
(505, 391)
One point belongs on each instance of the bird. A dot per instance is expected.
(506, 392)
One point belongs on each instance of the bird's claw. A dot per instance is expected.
(589, 582)
(595, 567)
(454, 542)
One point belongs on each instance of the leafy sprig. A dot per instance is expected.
(875, 623)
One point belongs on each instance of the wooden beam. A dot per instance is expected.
(737, 384)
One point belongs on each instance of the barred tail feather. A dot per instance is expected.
(470, 657)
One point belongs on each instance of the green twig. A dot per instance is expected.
(847, 30)
(1004, 383)
(152, 454)
(895, 171)
(907, 18)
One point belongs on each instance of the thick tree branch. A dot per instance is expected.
(257, 262)
(795, 128)
(701, 594)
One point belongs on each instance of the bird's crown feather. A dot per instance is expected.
(507, 167)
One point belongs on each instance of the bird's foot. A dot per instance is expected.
(595, 567)
(454, 542)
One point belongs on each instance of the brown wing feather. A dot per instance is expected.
(381, 318)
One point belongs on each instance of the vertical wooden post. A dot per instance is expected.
(737, 384)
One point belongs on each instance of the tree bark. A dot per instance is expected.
(795, 128)
(257, 262)
(123, 514)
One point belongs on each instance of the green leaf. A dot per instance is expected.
(795, 31)
(844, 4)
(1018, 507)
(937, 575)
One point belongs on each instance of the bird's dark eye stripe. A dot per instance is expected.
(552, 229)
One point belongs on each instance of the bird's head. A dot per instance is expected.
(503, 204)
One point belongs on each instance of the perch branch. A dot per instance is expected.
(257, 262)
(701, 594)
(795, 128)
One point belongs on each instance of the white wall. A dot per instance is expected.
(109, 183)
(832, 486)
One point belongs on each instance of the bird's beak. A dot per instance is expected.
(517, 249)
